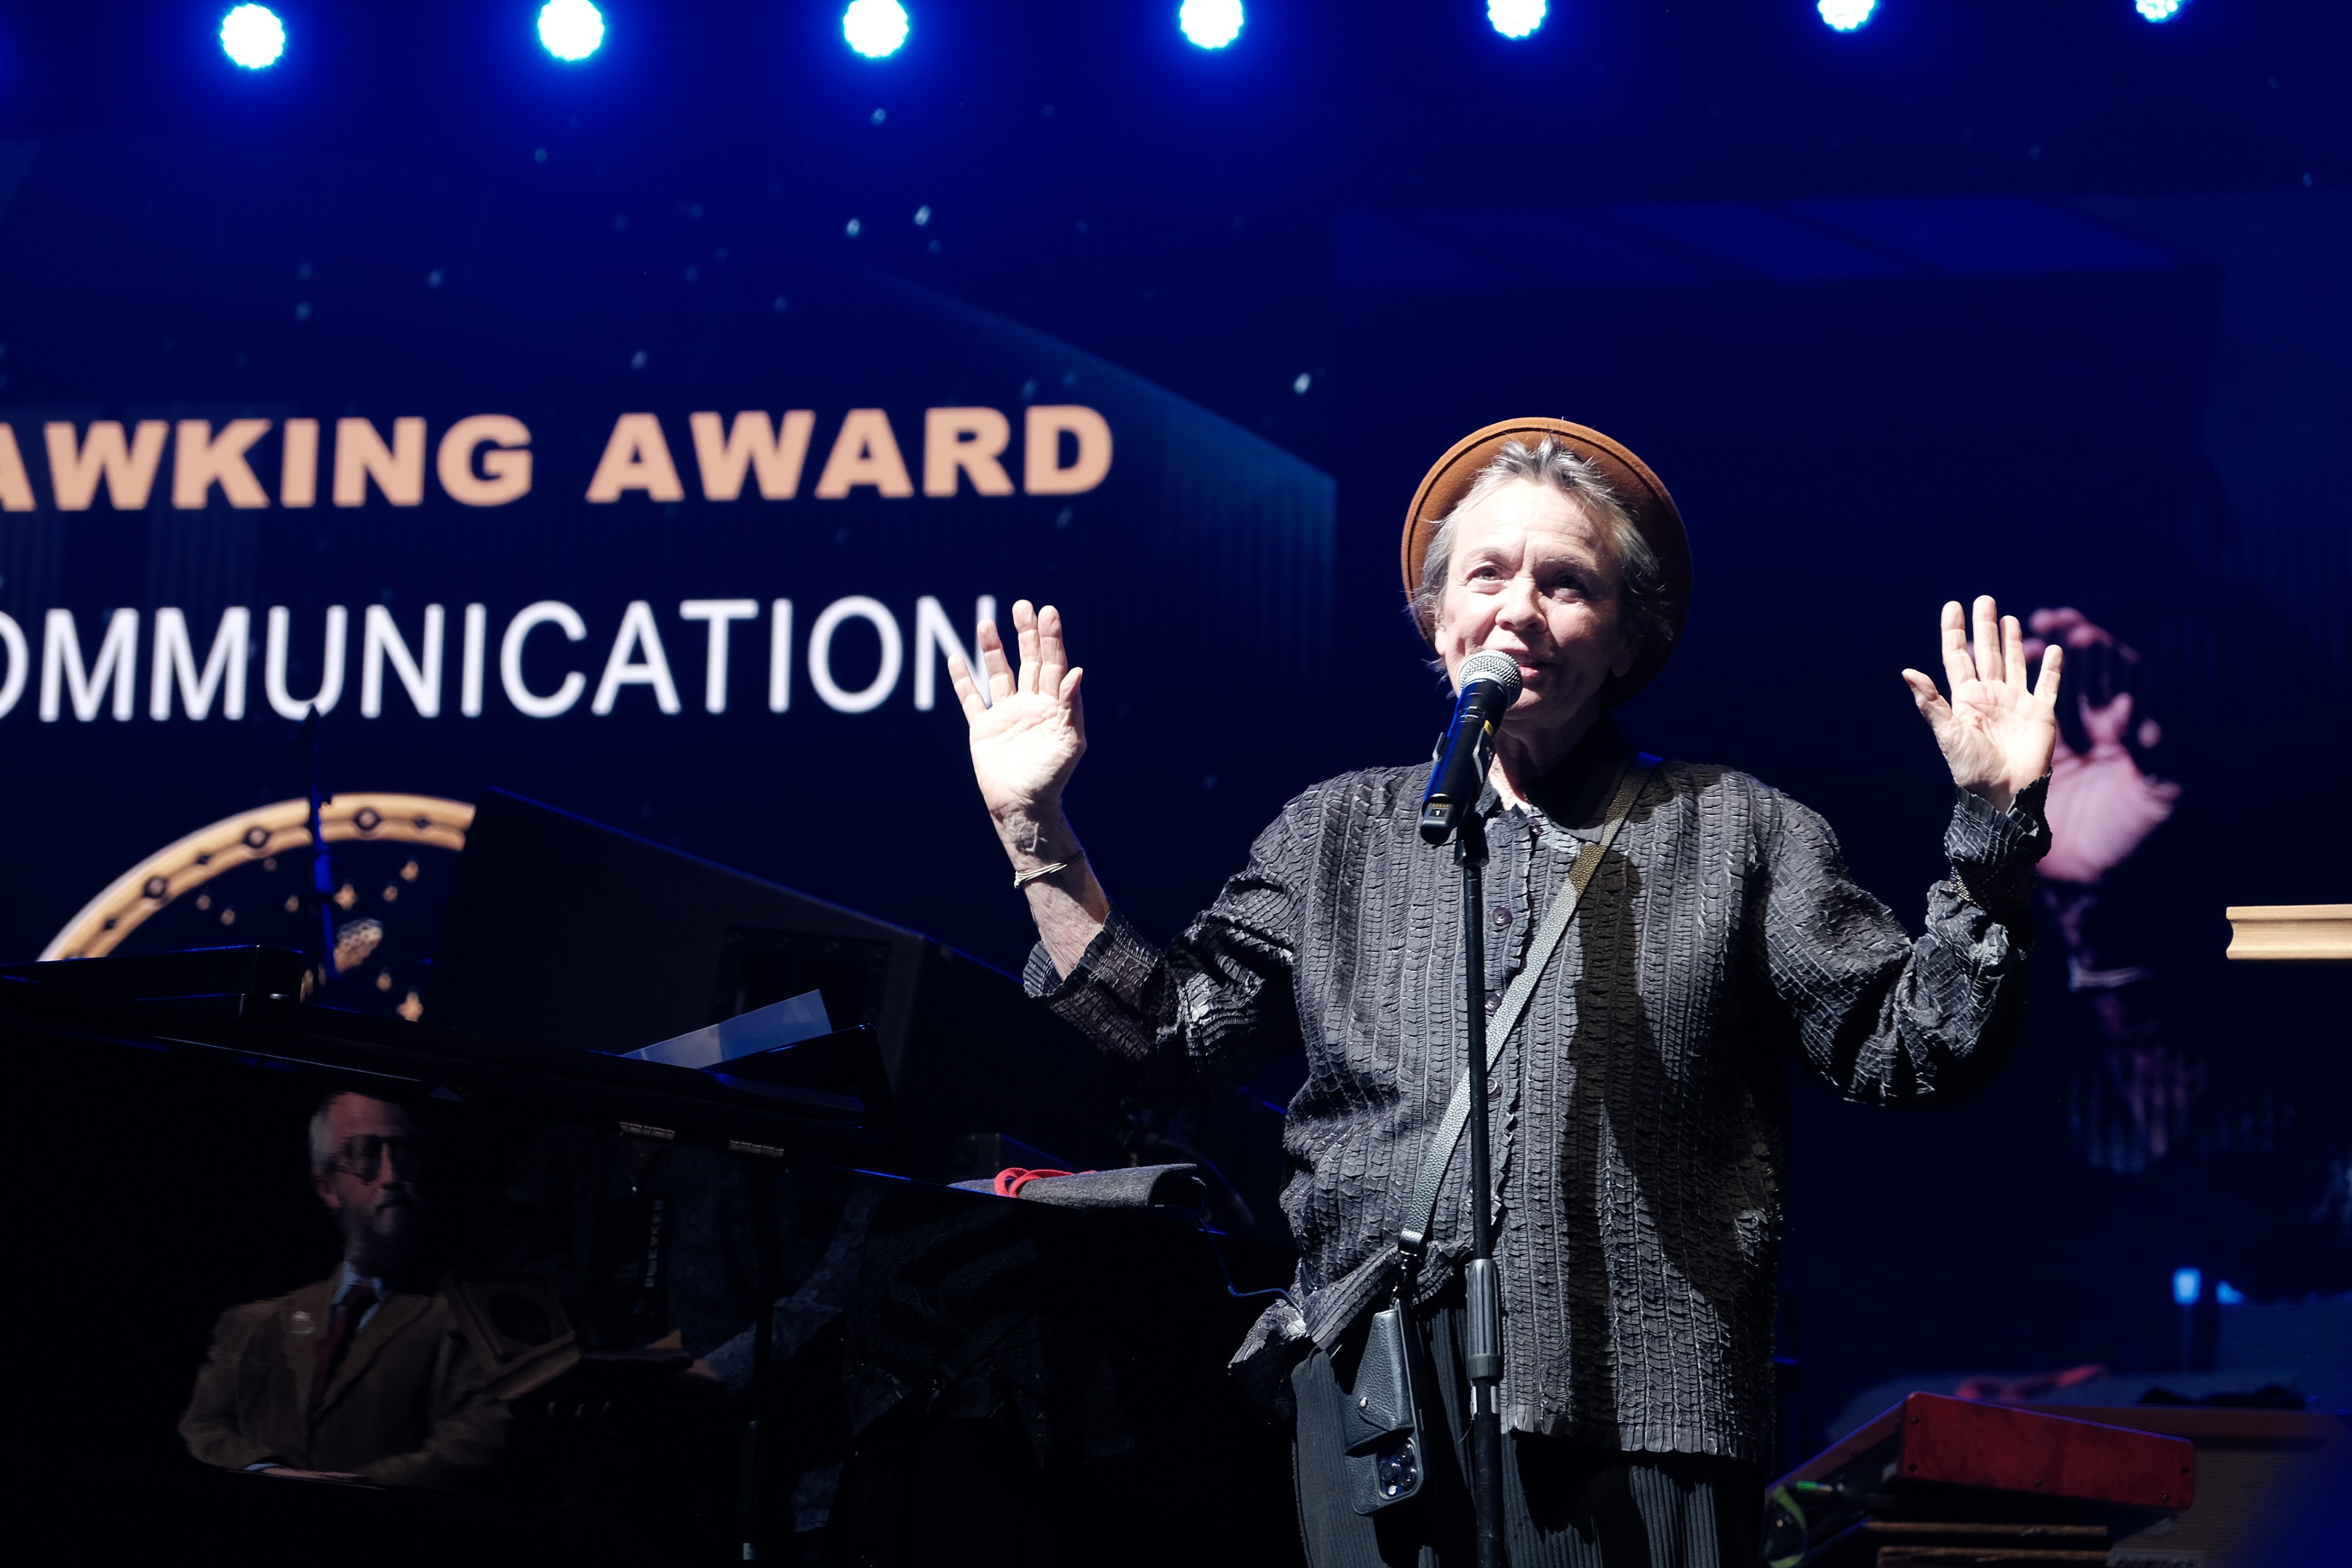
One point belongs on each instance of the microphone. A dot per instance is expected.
(1490, 684)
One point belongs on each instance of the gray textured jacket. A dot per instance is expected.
(1638, 1116)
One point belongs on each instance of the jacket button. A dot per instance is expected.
(1501, 915)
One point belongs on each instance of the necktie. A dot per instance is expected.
(339, 1331)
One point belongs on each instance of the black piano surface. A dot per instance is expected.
(965, 1378)
(50, 1007)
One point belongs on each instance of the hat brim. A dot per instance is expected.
(1637, 490)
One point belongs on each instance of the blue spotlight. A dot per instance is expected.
(1515, 18)
(253, 36)
(1845, 16)
(2188, 1285)
(571, 29)
(874, 28)
(1210, 24)
(2159, 10)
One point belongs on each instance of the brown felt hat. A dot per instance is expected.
(1637, 490)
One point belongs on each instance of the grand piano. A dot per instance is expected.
(948, 1375)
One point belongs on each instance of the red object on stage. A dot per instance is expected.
(1012, 1178)
(1931, 1439)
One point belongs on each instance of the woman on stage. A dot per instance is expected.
(1636, 1112)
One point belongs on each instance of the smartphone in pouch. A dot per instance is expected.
(1381, 1416)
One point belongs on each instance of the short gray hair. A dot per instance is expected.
(322, 1141)
(323, 1138)
(1640, 580)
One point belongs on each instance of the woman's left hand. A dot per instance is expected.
(1996, 735)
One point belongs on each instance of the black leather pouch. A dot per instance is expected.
(1381, 1415)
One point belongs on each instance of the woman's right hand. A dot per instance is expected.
(1030, 730)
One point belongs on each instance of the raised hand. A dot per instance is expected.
(1029, 729)
(1996, 735)
(2102, 808)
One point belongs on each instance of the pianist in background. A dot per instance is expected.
(365, 1376)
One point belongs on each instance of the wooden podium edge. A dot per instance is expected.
(2320, 933)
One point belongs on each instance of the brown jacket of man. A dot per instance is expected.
(406, 1407)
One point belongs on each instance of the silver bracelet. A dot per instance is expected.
(1022, 878)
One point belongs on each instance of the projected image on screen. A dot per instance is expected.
(252, 879)
(2105, 802)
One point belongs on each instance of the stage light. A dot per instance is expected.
(1515, 18)
(2159, 10)
(2187, 1284)
(253, 36)
(1210, 24)
(874, 28)
(571, 29)
(1845, 16)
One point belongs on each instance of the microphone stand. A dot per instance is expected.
(1482, 1329)
(322, 870)
(1488, 684)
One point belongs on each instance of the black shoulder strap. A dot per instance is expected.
(1422, 1208)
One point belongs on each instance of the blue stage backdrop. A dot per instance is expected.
(679, 539)
(2128, 414)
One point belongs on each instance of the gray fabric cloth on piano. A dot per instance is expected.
(1122, 1187)
(1640, 1140)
